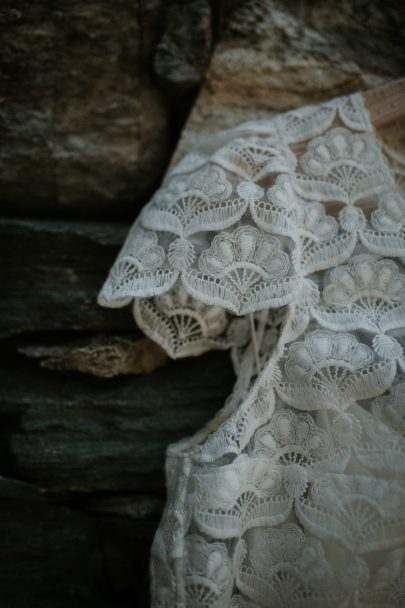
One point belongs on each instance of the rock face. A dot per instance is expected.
(183, 52)
(51, 272)
(67, 553)
(275, 55)
(84, 127)
(74, 433)
(82, 484)
(92, 96)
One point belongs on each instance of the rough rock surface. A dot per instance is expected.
(84, 128)
(274, 55)
(58, 551)
(51, 272)
(81, 476)
(70, 432)
(183, 51)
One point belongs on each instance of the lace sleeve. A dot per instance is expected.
(223, 236)
(292, 494)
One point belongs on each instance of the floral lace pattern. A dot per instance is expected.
(285, 244)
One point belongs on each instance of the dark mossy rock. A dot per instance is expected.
(58, 551)
(51, 272)
(70, 432)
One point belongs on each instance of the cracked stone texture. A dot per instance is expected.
(86, 131)
(274, 55)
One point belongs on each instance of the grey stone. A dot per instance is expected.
(183, 51)
(51, 272)
(70, 432)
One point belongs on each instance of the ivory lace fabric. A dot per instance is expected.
(284, 241)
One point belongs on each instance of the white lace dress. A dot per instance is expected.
(283, 240)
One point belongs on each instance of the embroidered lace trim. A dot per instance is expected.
(293, 495)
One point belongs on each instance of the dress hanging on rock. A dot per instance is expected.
(284, 241)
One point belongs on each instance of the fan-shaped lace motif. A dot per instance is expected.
(293, 495)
